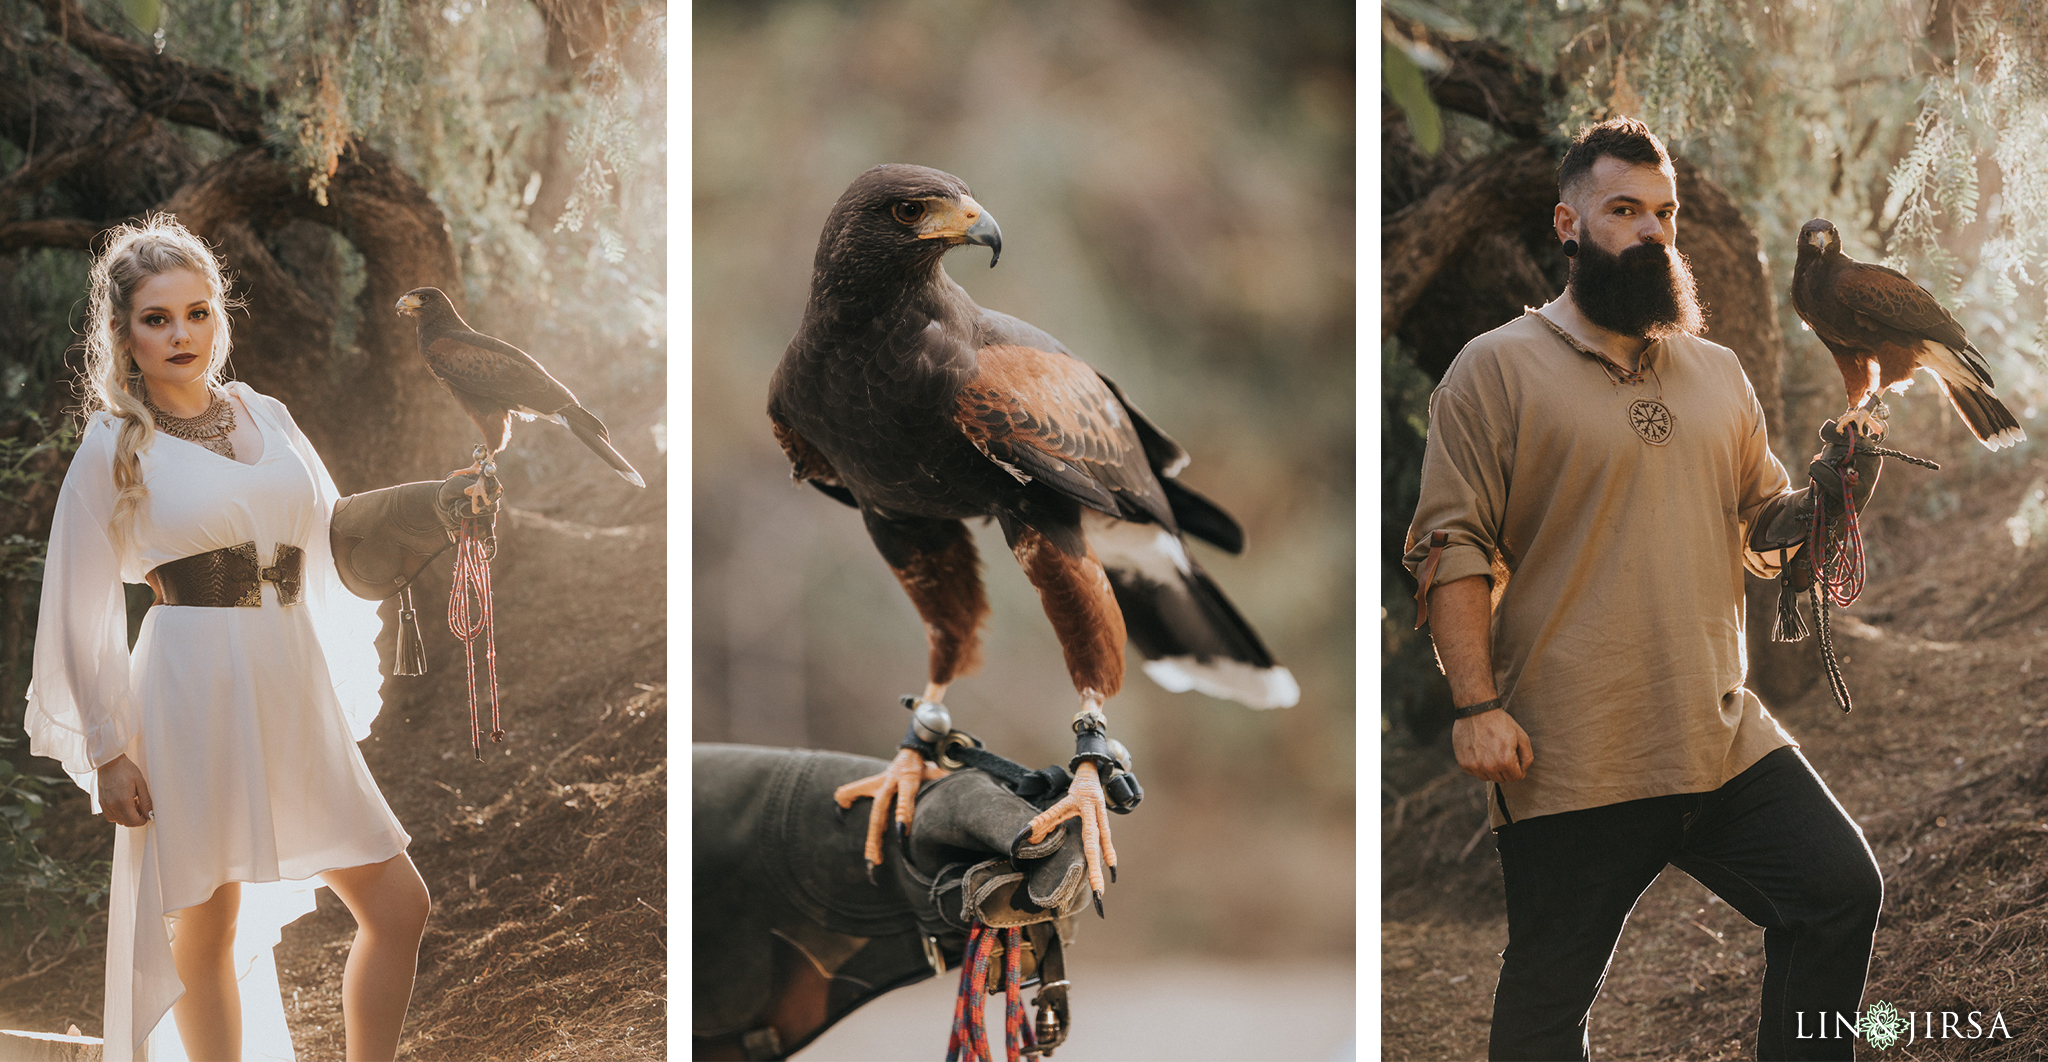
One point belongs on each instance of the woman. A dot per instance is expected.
(225, 746)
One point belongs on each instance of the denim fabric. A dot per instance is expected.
(1773, 843)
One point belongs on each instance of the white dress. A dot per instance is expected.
(243, 720)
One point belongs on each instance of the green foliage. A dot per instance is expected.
(1410, 680)
(38, 894)
(1405, 84)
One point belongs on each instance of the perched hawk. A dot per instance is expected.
(1880, 326)
(903, 398)
(493, 380)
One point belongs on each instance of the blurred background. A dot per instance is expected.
(1175, 187)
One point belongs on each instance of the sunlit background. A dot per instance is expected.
(1175, 189)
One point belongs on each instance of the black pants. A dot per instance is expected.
(1772, 842)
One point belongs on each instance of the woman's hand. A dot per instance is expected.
(124, 794)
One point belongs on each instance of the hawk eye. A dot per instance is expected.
(908, 211)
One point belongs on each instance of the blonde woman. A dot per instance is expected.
(224, 745)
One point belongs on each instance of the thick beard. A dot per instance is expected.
(1646, 290)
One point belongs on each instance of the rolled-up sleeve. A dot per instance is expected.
(81, 706)
(1464, 490)
(1760, 481)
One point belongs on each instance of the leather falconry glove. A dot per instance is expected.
(791, 934)
(1787, 520)
(383, 539)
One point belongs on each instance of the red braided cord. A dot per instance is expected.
(1837, 555)
(472, 579)
(970, 1016)
(1016, 1030)
(955, 1038)
(970, 1021)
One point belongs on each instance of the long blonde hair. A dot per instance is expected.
(133, 254)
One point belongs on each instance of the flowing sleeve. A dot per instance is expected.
(346, 625)
(81, 704)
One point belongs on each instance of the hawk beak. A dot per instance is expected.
(409, 305)
(1818, 238)
(984, 233)
(966, 222)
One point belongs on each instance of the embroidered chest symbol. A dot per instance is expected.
(1651, 419)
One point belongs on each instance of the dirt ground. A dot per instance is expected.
(547, 862)
(1941, 763)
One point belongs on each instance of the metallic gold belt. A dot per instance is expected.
(228, 578)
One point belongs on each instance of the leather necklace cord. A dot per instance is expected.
(1615, 372)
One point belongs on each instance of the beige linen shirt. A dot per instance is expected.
(1616, 561)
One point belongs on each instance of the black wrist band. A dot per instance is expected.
(1471, 710)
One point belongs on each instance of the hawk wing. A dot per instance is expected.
(495, 372)
(1047, 417)
(1886, 299)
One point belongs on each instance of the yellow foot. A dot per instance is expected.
(897, 785)
(1085, 801)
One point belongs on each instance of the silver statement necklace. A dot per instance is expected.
(1649, 418)
(209, 429)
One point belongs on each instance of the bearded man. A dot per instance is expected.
(1597, 478)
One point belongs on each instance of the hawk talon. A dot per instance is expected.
(1086, 802)
(893, 789)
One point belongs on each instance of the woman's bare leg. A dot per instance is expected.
(389, 902)
(209, 1014)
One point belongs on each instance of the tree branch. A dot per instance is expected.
(73, 233)
(1420, 239)
(159, 84)
(37, 172)
(1487, 82)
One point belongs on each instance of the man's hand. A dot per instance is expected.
(124, 794)
(1492, 746)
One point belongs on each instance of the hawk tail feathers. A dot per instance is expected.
(1989, 420)
(1191, 636)
(1202, 518)
(585, 426)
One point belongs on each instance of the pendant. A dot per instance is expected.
(1651, 419)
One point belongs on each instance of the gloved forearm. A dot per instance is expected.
(383, 539)
(1785, 521)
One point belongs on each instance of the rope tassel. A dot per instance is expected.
(474, 546)
(411, 658)
(1835, 555)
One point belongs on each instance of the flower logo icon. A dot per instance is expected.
(1882, 1025)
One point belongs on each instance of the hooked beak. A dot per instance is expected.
(1818, 238)
(963, 222)
(985, 233)
(409, 304)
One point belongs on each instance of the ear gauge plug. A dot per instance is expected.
(1571, 248)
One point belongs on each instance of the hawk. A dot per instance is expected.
(493, 380)
(903, 398)
(1880, 326)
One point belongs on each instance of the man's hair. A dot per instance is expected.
(1623, 138)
